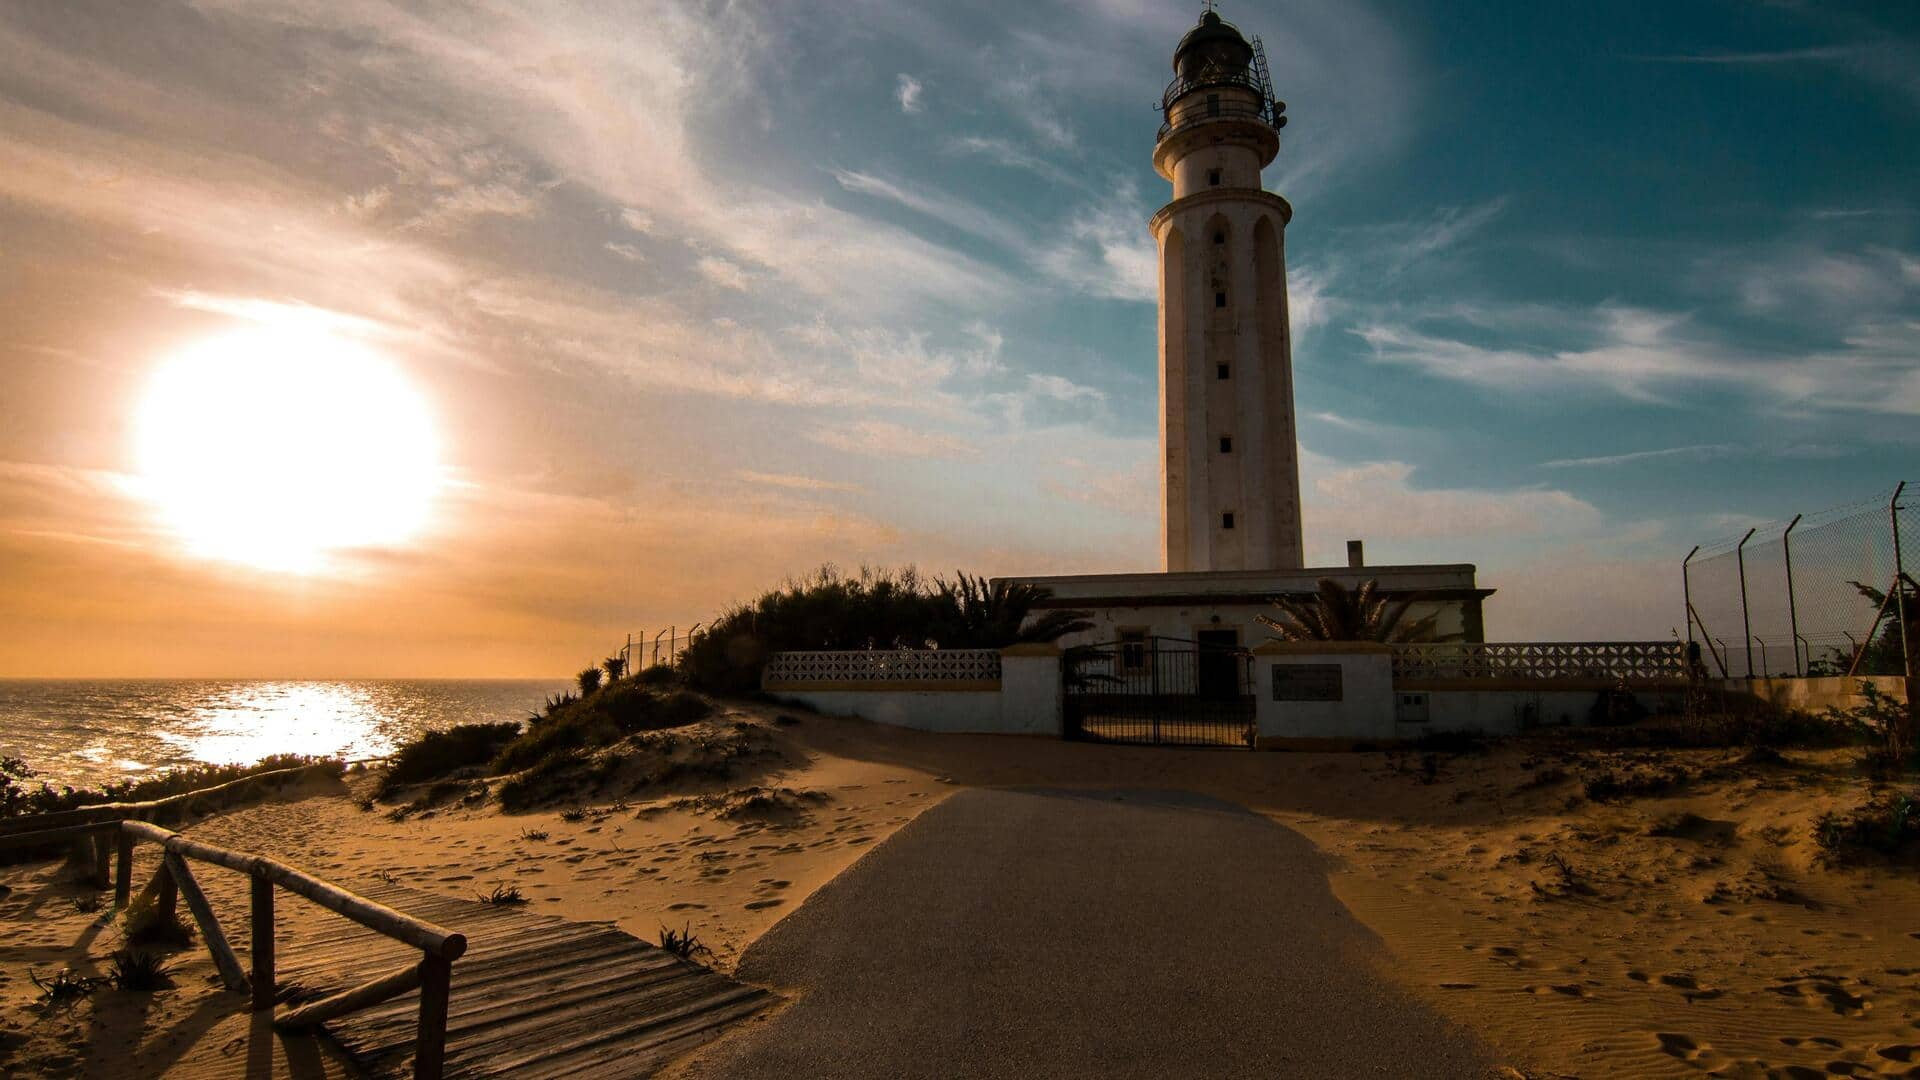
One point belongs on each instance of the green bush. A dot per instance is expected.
(1887, 826)
(657, 675)
(18, 798)
(438, 753)
(602, 719)
(879, 609)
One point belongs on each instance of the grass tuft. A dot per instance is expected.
(139, 971)
(683, 943)
(1887, 826)
(504, 896)
(438, 753)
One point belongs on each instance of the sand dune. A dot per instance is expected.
(1687, 932)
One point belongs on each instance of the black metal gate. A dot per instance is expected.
(1163, 691)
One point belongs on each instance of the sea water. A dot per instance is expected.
(88, 732)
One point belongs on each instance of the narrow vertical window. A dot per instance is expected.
(1219, 299)
(1226, 520)
(1220, 371)
(1220, 238)
(1213, 180)
(1213, 104)
(1226, 444)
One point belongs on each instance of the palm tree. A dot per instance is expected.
(1336, 613)
(993, 614)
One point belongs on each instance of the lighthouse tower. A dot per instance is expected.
(1230, 464)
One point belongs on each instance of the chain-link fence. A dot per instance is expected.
(646, 649)
(1823, 594)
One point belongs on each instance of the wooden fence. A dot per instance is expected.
(103, 833)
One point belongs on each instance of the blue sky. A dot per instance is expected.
(707, 294)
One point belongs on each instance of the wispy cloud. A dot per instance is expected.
(1702, 452)
(882, 438)
(797, 483)
(907, 93)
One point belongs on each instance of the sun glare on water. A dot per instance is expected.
(277, 446)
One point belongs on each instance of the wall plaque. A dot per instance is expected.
(1306, 682)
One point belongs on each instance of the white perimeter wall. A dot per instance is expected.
(1027, 701)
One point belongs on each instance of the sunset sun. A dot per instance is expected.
(276, 446)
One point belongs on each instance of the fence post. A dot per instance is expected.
(430, 1041)
(261, 943)
(1793, 611)
(1900, 584)
(1746, 623)
(123, 871)
(1686, 589)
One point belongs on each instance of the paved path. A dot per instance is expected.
(1067, 934)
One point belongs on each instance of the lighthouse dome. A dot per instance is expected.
(1213, 46)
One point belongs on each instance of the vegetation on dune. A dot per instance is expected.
(601, 718)
(1882, 653)
(683, 943)
(143, 923)
(1888, 826)
(876, 609)
(1337, 613)
(138, 971)
(438, 753)
(19, 796)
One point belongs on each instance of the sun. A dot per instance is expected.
(278, 446)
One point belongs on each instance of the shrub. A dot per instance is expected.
(138, 971)
(599, 720)
(878, 609)
(1887, 826)
(574, 814)
(588, 681)
(438, 753)
(66, 987)
(658, 675)
(16, 798)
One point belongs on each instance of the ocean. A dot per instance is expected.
(88, 731)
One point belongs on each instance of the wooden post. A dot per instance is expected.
(430, 1044)
(164, 905)
(223, 956)
(262, 943)
(123, 871)
(102, 860)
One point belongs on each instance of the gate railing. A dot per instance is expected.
(1541, 661)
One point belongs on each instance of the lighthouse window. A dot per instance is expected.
(1220, 238)
(1226, 520)
(1213, 104)
(1219, 299)
(1213, 179)
(1220, 371)
(1226, 444)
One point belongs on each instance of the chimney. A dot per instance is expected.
(1355, 559)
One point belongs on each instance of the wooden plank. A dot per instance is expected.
(223, 957)
(384, 988)
(475, 1008)
(110, 813)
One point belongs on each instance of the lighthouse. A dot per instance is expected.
(1230, 462)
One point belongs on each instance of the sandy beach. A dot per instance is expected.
(1693, 930)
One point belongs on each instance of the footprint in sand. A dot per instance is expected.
(1904, 1053)
(756, 905)
(1562, 989)
(1818, 1040)
(1684, 1047)
(685, 904)
(1815, 990)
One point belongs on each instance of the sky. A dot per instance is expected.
(701, 296)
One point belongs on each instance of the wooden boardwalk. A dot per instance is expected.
(534, 995)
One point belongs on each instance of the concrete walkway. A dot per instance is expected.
(1068, 934)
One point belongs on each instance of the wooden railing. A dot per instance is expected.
(174, 881)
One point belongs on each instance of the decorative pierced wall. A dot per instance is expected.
(1543, 661)
(874, 668)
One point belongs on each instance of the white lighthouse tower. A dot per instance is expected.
(1230, 464)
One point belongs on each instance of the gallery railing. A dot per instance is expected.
(1541, 661)
(854, 668)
